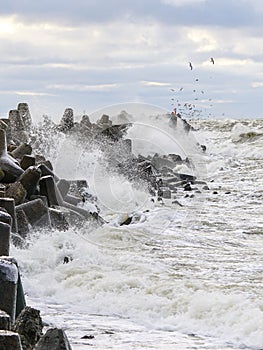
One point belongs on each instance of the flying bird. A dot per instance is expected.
(190, 65)
(212, 60)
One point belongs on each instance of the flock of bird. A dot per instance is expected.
(187, 108)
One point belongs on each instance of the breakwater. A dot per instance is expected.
(34, 197)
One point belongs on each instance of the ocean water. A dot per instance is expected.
(179, 277)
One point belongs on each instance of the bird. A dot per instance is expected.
(212, 60)
(190, 65)
(172, 89)
(181, 89)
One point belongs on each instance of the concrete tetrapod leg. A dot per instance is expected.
(10, 341)
(36, 212)
(63, 186)
(5, 321)
(27, 161)
(55, 339)
(8, 287)
(86, 214)
(4, 239)
(21, 150)
(8, 164)
(9, 205)
(20, 297)
(47, 188)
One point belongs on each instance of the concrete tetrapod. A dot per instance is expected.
(8, 164)
(8, 287)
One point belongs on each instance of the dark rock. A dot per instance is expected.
(206, 188)
(187, 187)
(54, 339)
(88, 336)
(17, 191)
(126, 221)
(29, 326)
(30, 180)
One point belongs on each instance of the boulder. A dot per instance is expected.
(29, 326)
(54, 339)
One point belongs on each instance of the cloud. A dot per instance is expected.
(83, 88)
(154, 83)
(179, 3)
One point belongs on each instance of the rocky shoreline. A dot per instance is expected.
(33, 197)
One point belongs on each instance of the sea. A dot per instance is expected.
(186, 273)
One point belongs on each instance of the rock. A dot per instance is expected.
(9, 205)
(17, 191)
(54, 339)
(9, 340)
(127, 221)
(8, 287)
(29, 326)
(187, 187)
(5, 232)
(206, 188)
(30, 179)
(5, 321)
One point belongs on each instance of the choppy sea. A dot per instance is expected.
(180, 277)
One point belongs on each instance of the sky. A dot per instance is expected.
(89, 54)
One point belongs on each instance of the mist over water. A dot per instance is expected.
(178, 277)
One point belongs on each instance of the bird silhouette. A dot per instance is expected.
(212, 60)
(190, 65)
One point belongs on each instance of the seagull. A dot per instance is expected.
(181, 89)
(212, 60)
(172, 89)
(190, 65)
